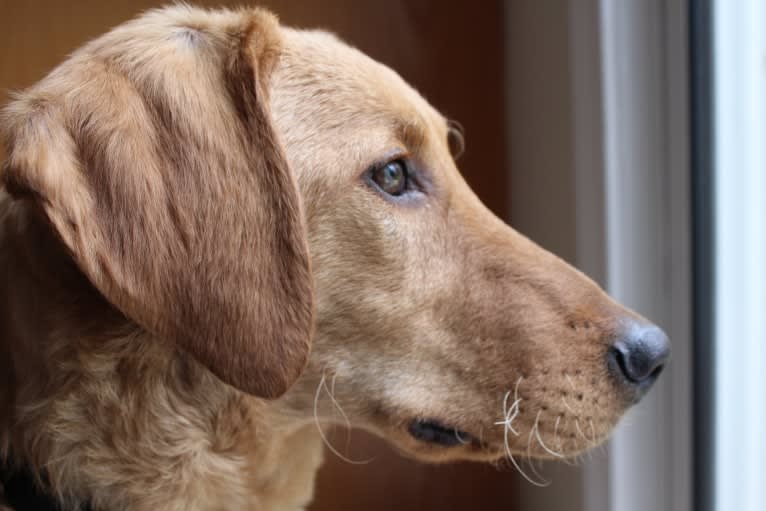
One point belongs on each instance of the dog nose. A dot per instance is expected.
(639, 356)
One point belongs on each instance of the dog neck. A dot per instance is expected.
(119, 418)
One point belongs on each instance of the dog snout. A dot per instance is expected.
(638, 356)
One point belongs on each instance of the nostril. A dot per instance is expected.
(617, 355)
(640, 355)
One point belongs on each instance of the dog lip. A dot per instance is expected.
(432, 431)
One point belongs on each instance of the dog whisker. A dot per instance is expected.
(540, 484)
(569, 379)
(592, 440)
(510, 420)
(515, 406)
(540, 440)
(516, 389)
(331, 392)
(566, 405)
(459, 438)
(505, 409)
(509, 414)
(560, 442)
(323, 383)
(582, 434)
(529, 458)
(556, 432)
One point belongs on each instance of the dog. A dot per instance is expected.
(218, 234)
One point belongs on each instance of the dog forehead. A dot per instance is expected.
(327, 84)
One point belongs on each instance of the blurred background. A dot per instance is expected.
(628, 137)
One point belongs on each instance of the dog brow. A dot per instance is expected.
(411, 133)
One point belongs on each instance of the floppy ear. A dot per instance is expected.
(152, 154)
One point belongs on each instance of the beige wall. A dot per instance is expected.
(540, 123)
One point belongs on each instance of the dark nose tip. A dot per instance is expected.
(639, 356)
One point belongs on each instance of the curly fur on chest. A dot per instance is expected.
(132, 424)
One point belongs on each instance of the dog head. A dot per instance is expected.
(438, 326)
(239, 188)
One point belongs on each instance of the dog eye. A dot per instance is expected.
(392, 177)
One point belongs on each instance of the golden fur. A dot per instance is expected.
(187, 212)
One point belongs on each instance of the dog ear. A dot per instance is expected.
(152, 154)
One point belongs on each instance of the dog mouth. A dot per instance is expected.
(434, 432)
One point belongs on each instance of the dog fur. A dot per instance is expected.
(196, 273)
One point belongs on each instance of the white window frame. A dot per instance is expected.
(739, 77)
